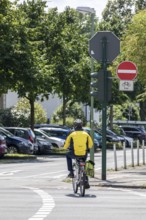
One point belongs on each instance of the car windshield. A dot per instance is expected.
(45, 133)
(97, 136)
(7, 133)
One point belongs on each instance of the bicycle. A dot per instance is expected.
(79, 179)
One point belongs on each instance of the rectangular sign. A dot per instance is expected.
(126, 85)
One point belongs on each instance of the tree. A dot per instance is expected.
(69, 57)
(116, 16)
(73, 111)
(134, 49)
(8, 32)
(140, 5)
(32, 73)
(21, 112)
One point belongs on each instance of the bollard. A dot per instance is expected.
(115, 156)
(143, 152)
(124, 152)
(137, 152)
(132, 154)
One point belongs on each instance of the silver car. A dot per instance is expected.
(56, 142)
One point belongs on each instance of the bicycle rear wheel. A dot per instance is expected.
(82, 183)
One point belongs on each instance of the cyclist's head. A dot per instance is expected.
(78, 124)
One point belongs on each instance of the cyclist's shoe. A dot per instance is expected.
(70, 175)
(87, 186)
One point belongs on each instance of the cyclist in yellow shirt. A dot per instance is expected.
(78, 142)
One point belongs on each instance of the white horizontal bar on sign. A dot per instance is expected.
(127, 71)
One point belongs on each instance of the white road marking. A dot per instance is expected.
(130, 191)
(59, 176)
(47, 204)
(44, 174)
(9, 173)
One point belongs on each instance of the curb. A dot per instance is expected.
(119, 186)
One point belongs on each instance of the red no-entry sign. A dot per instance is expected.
(127, 70)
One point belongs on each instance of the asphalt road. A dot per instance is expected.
(39, 191)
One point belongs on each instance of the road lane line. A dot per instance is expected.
(130, 191)
(47, 204)
(9, 173)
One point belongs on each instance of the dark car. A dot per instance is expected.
(97, 138)
(25, 133)
(134, 132)
(16, 144)
(109, 136)
(56, 132)
(44, 146)
(3, 146)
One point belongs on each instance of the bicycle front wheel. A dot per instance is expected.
(82, 183)
(75, 181)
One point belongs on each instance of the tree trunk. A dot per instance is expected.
(143, 111)
(31, 113)
(64, 110)
(111, 117)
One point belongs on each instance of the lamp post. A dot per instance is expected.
(92, 12)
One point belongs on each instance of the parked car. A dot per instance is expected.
(51, 126)
(109, 137)
(97, 138)
(16, 144)
(128, 140)
(134, 132)
(56, 142)
(3, 146)
(56, 132)
(44, 146)
(25, 133)
(122, 138)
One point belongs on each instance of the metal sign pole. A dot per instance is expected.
(104, 107)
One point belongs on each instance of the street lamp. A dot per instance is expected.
(92, 12)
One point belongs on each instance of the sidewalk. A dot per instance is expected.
(132, 177)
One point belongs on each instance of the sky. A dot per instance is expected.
(98, 5)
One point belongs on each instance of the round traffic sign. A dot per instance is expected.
(127, 70)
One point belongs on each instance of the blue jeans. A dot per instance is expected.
(69, 156)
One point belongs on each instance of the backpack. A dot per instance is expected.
(89, 168)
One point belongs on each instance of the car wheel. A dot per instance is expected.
(55, 145)
(12, 150)
(38, 151)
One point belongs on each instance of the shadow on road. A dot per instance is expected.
(77, 195)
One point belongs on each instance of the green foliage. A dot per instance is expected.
(6, 118)
(19, 115)
(73, 111)
(134, 49)
(8, 32)
(128, 111)
(21, 111)
(116, 16)
(70, 56)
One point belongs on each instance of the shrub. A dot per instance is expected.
(73, 111)
(19, 115)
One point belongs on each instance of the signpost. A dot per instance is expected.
(104, 47)
(127, 70)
